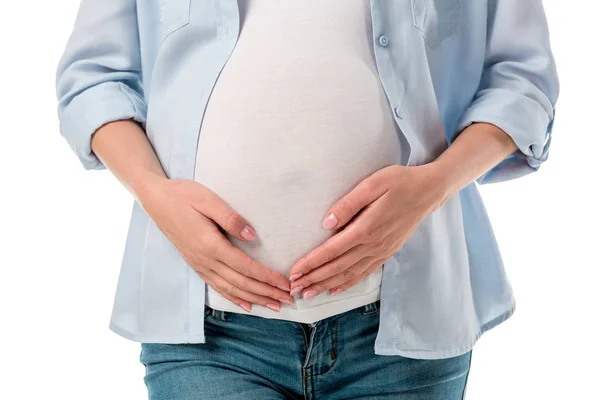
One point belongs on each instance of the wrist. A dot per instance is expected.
(440, 182)
(146, 186)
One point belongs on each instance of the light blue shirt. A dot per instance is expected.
(442, 64)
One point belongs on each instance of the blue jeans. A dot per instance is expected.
(254, 358)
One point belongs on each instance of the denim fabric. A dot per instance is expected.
(250, 357)
(443, 65)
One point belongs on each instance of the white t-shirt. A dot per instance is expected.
(296, 120)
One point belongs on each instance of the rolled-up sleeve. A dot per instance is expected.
(98, 79)
(519, 86)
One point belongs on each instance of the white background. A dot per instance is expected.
(63, 229)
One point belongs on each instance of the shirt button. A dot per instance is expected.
(398, 112)
(383, 40)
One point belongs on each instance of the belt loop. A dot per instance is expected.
(218, 314)
(371, 307)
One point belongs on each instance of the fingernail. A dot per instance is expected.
(274, 307)
(310, 293)
(330, 222)
(286, 301)
(295, 276)
(248, 233)
(296, 290)
(284, 288)
(245, 307)
(335, 291)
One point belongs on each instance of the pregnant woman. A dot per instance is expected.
(306, 223)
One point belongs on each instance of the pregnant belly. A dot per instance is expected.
(282, 154)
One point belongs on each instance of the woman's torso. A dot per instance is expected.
(297, 118)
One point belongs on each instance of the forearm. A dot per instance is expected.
(479, 148)
(125, 150)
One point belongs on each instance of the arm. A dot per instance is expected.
(518, 88)
(475, 151)
(188, 214)
(379, 215)
(102, 114)
(98, 79)
(387, 207)
(504, 134)
(122, 147)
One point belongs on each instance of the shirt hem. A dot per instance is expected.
(306, 316)
(169, 339)
(379, 350)
(438, 354)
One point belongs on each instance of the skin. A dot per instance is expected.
(376, 217)
(384, 210)
(191, 216)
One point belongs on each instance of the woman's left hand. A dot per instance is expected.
(377, 217)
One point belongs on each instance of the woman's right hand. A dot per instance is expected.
(190, 214)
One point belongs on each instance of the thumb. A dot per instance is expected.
(348, 206)
(214, 207)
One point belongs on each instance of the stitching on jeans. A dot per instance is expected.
(334, 328)
(312, 384)
(305, 377)
(464, 394)
(304, 335)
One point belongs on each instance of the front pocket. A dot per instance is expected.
(174, 14)
(437, 19)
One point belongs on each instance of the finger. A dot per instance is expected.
(241, 262)
(332, 268)
(245, 305)
(252, 285)
(363, 194)
(348, 274)
(335, 246)
(215, 208)
(225, 287)
(347, 285)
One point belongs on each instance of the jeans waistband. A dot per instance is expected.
(366, 309)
